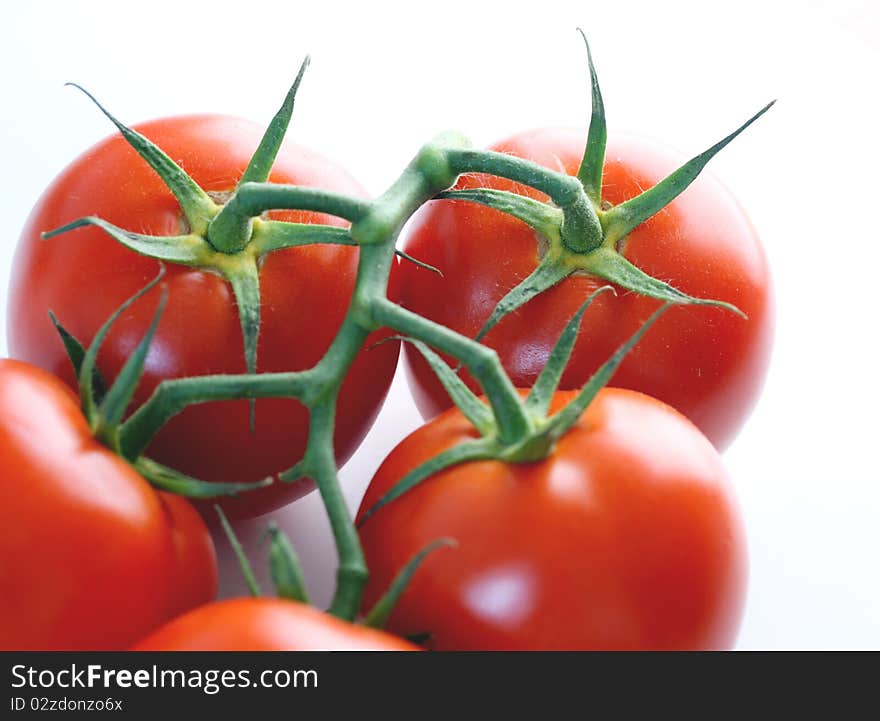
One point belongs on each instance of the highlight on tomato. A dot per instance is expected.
(93, 557)
(511, 276)
(265, 296)
(97, 549)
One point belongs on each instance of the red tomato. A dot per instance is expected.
(91, 556)
(626, 537)
(305, 291)
(706, 362)
(266, 624)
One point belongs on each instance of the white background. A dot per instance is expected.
(385, 78)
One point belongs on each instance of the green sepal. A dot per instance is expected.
(593, 162)
(560, 422)
(270, 235)
(244, 563)
(539, 398)
(472, 450)
(380, 613)
(245, 282)
(88, 367)
(230, 230)
(115, 402)
(477, 412)
(547, 274)
(541, 217)
(173, 481)
(196, 204)
(610, 265)
(179, 249)
(260, 165)
(284, 566)
(621, 219)
(76, 353)
(415, 261)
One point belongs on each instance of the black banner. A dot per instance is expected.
(138, 684)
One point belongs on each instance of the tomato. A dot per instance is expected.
(91, 556)
(626, 537)
(706, 362)
(305, 292)
(266, 624)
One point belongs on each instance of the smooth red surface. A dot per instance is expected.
(85, 275)
(706, 362)
(91, 556)
(627, 537)
(266, 624)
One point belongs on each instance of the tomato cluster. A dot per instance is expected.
(619, 530)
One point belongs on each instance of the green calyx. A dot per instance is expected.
(542, 428)
(230, 239)
(584, 235)
(104, 406)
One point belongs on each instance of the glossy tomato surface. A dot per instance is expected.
(85, 275)
(708, 363)
(91, 556)
(266, 624)
(627, 537)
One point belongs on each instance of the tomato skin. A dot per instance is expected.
(305, 291)
(92, 557)
(266, 624)
(627, 537)
(706, 362)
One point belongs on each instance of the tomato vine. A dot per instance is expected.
(232, 239)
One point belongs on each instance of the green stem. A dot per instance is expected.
(231, 230)
(483, 363)
(582, 230)
(561, 188)
(172, 396)
(377, 230)
(351, 576)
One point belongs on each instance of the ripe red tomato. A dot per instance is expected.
(305, 291)
(91, 556)
(266, 624)
(626, 537)
(706, 362)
